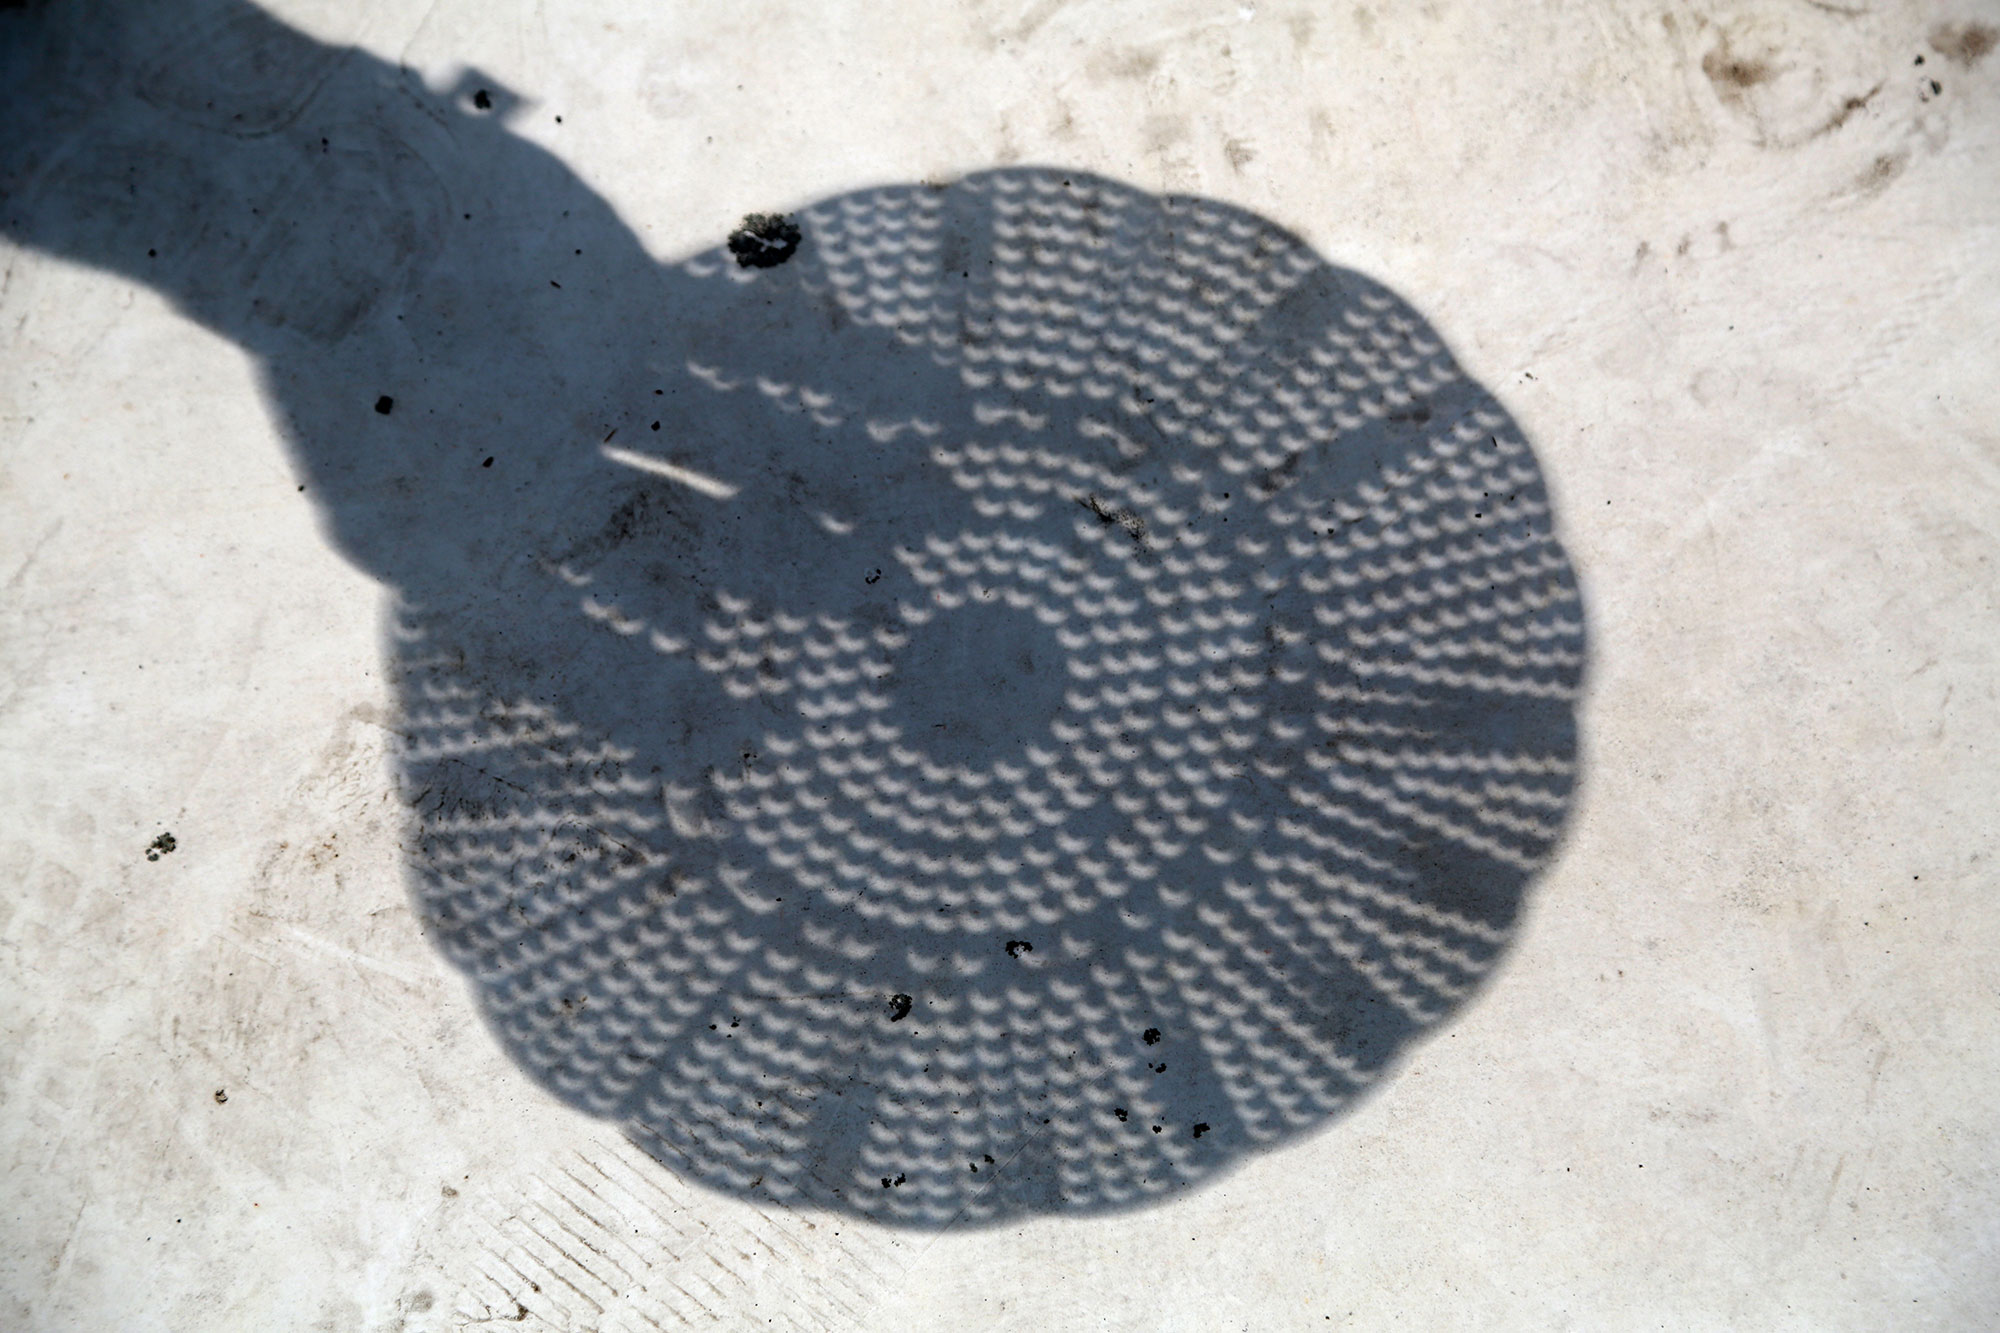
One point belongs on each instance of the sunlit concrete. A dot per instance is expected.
(1732, 272)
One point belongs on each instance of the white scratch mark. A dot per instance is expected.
(713, 487)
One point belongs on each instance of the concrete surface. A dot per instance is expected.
(1730, 271)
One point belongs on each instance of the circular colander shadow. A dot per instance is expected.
(1071, 686)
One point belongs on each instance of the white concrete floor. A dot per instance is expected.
(1735, 270)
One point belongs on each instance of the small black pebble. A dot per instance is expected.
(152, 254)
(656, 425)
(765, 240)
(1156, 1129)
(160, 846)
(220, 1096)
(1118, 1111)
(488, 462)
(1151, 1036)
(899, 1007)
(385, 404)
(1015, 948)
(482, 100)
(1200, 1129)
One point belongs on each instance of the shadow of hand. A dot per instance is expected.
(968, 701)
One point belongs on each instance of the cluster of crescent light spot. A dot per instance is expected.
(1297, 729)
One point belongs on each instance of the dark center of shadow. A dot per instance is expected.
(976, 683)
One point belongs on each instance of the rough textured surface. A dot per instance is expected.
(1732, 272)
